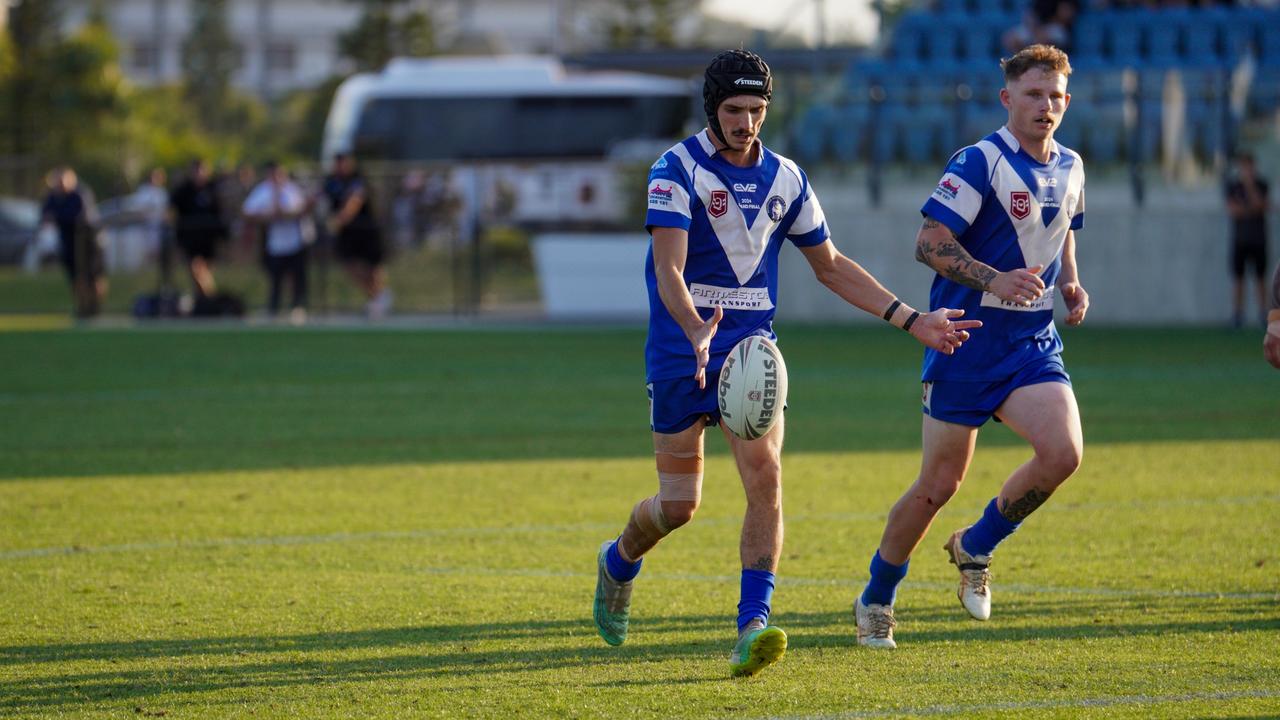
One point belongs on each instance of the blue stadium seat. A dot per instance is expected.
(1239, 35)
(1200, 35)
(1204, 127)
(1162, 31)
(811, 134)
(1103, 134)
(942, 41)
(1089, 37)
(848, 131)
(1124, 38)
(1269, 42)
(909, 38)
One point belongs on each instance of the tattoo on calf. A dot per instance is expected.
(764, 562)
(1019, 509)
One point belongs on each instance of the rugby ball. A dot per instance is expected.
(753, 387)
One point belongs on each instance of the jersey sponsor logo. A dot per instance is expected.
(660, 164)
(947, 190)
(1019, 204)
(719, 203)
(1044, 303)
(744, 187)
(660, 196)
(1043, 181)
(739, 298)
(776, 207)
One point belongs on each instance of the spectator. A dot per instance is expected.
(1046, 22)
(359, 239)
(1271, 341)
(1247, 204)
(151, 202)
(199, 226)
(70, 209)
(278, 204)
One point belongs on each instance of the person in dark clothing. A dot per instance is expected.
(360, 245)
(198, 225)
(1247, 204)
(70, 209)
(1047, 22)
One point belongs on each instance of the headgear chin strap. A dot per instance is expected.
(733, 72)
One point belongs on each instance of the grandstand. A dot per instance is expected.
(1146, 83)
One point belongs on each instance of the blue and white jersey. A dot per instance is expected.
(737, 219)
(1008, 211)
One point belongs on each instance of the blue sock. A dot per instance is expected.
(620, 569)
(757, 593)
(982, 538)
(882, 588)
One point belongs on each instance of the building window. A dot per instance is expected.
(281, 57)
(145, 57)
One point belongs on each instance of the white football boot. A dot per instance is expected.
(875, 624)
(975, 577)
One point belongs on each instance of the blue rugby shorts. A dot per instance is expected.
(973, 403)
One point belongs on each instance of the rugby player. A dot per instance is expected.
(720, 206)
(999, 229)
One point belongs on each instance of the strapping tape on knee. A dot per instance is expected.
(679, 477)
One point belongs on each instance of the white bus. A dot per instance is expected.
(551, 135)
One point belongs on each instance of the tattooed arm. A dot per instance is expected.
(939, 248)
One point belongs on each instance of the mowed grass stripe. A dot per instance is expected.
(389, 525)
(1094, 702)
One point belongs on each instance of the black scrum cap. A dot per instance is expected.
(733, 72)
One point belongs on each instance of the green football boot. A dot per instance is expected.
(758, 647)
(612, 609)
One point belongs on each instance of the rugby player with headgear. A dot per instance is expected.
(720, 207)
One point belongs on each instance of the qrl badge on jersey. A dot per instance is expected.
(1020, 204)
(719, 203)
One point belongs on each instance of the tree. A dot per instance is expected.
(385, 31)
(209, 57)
(646, 23)
(31, 36)
(88, 102)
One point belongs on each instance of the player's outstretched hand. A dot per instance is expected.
(700, 338)
(1077, 302)
(1021, 287)
(1271, 344)
(939, 331)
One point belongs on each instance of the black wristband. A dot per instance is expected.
(907, 325)
(893, 307)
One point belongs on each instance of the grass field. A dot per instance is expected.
(239, 523)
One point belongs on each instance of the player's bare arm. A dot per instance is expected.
(1073, 294)
(939, 248)
(670, 249)
(859, 288)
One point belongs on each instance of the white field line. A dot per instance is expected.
(1098, 702)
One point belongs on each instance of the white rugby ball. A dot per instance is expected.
(753, 387)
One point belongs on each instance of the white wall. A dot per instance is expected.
(1162, 264)
(1165, 263)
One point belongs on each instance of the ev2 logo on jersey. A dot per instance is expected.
(719, 203)
(1020, 204)
(748, 187)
